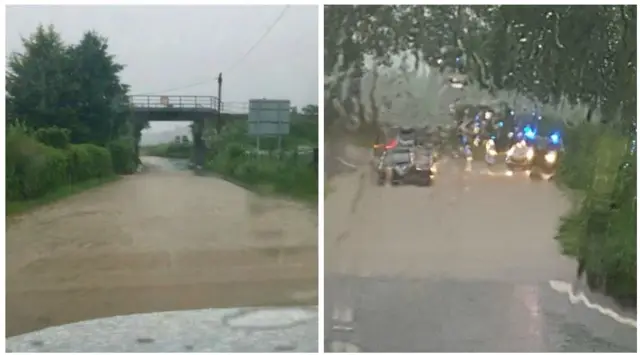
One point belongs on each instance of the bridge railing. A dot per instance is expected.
(175, 102)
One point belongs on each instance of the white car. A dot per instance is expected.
(520, 155)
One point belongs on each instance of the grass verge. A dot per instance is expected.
(167, 150)
(265, 189)
(17, 207)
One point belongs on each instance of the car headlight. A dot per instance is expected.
(490, 148)
(530, 153)
(476, 129)
(511, 151)
(488, 115)
(551, 157)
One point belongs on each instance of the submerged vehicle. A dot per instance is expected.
(407, 137)
(458, 81)
(404, 165)
(548, 152)
(402, 137)
(520, 156)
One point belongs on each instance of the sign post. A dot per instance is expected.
(269, 118)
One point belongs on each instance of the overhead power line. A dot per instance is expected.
(236, 63)
(264, 35)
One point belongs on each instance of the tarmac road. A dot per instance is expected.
(469, 264)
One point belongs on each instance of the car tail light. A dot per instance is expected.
(391, 144)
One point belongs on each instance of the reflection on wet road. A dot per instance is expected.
(462, 266)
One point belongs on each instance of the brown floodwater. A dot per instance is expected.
(160, 240)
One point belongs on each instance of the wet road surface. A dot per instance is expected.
(464, 265)
(160, 240)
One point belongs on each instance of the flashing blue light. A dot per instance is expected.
(529, 133)
(500, 124)
(555, 138)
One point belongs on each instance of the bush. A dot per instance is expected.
(53, 136)
(600, 229)
(290, 175)
(79, 163)
(35, 169)
(123, 155)
(100, 162)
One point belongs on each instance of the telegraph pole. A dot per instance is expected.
(219, 123)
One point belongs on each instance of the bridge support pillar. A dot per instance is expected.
(199, 147)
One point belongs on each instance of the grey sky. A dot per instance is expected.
(164, 47)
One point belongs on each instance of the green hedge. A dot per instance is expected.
(289, 175)
(123, 154)
(35, 169)
(53, 136)
(600, 229)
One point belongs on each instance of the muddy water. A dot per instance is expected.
(468, 225)
(160, 240)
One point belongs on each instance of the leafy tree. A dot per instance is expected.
(72, 87)
(310, 110)
(583, 54)
(37, 82)
(100, 97)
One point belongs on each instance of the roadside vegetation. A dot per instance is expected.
(534, 56)
(68, 124)
(180, 148)
(233, 154)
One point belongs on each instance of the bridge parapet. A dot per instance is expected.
(173, 103)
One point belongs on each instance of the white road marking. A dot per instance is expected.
(344, 162)
(338, 346)
(343, 315)
(565, 287)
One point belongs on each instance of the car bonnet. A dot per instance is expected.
(205, 330)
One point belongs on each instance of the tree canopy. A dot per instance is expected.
(75, 87)
(582, 54)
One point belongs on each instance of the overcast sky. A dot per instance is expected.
(167, 47)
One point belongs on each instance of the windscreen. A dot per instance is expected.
(407, 136)
(400, 157)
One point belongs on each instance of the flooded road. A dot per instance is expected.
(469, 264)
(160, 240)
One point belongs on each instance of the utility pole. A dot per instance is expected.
(219, 123)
